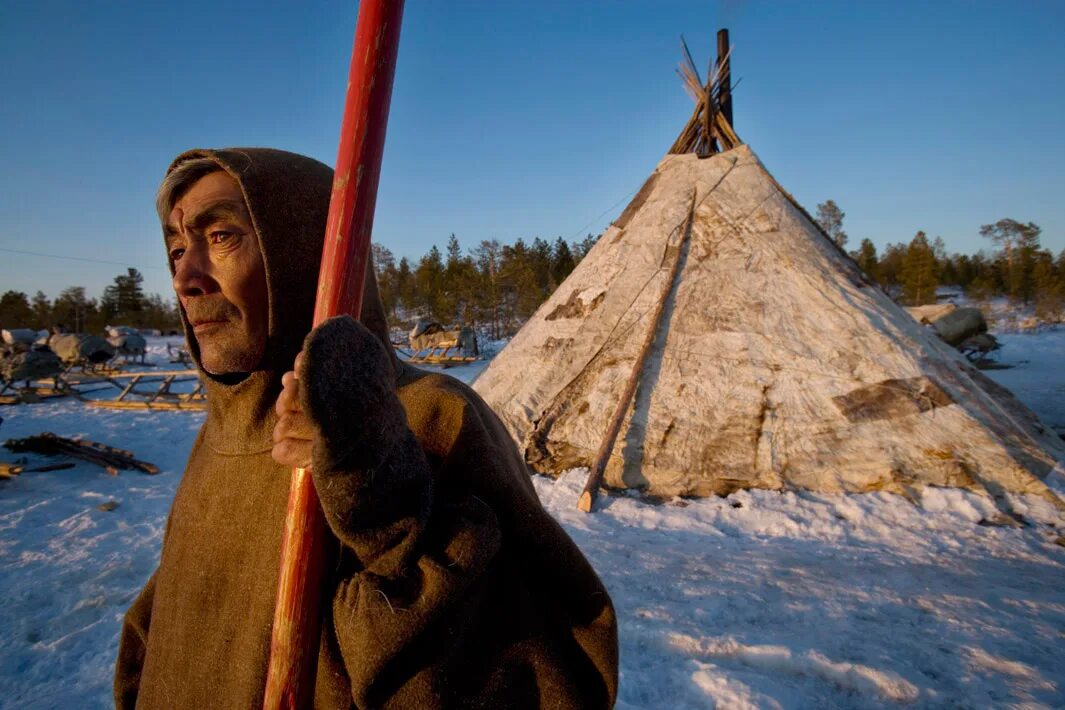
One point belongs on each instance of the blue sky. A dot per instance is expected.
(526, 119)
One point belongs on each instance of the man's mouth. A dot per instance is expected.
(204, 325)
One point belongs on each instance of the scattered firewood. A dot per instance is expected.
(108, 457)
(51, 467)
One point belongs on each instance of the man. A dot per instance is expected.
(449, 585)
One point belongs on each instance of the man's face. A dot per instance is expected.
(218, 274)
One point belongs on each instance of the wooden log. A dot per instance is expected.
(595, 476)
(681, 145)
(62, 466)
(725, 131)
(140, 404)
(724, 75)
(706, 133)
(101, 455)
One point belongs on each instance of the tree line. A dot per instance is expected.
(494, 285)
(1015, 266)
(498, 286)
(123, 303)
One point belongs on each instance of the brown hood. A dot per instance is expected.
(288, 200)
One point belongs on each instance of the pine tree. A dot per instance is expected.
(891, 264)
(405, 285)
(15, 311)
(519, 290)
(919, 275)
(454, 252)
(160, 313)
(123, 300)
(866, 259)
(460, 278)
(961, 266)
(830, 218)
(540, 262)
(428, 281)
(73, 311)
(486, 259)
(581, 248)
(562, 262)
(384, 264)
(1048, 289)
(1019, 243)
(42, 310)
(130, 291)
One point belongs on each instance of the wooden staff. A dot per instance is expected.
(297, 619)
(595, 476)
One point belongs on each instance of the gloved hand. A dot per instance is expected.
(338, 412)
(338, 404)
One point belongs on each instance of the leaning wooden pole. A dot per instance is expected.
(297, 619)
(595, 476)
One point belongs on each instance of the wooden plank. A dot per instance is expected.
(140, 404)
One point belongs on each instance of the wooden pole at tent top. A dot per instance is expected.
(724, 75)
(297, 619)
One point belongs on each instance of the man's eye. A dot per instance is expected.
(219, 235)
(175, 254)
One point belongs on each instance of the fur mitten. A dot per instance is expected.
(369, 470)
(347, 385)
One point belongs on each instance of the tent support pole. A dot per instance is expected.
(595, 476)
(724, 76)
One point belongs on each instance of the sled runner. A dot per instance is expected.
(154, 390)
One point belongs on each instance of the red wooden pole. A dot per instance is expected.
(297, 618)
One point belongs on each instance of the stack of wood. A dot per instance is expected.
(709, 130)
(108, 457)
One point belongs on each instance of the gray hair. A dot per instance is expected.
(178, 181)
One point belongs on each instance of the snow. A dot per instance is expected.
(758, 600)
(1036, 371)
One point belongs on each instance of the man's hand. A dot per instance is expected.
(338, 409)
(294, 432)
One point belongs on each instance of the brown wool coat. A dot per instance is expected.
(450, 584)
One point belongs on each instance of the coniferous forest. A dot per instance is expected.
(123, 302)
(497, 286)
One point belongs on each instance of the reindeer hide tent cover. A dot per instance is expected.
(775, 363)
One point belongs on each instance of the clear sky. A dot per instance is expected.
(526, 119)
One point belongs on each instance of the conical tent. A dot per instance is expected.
(774, 363)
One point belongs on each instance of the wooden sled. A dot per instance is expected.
(161, 396)
(436, 355)
(33, 392)
(101, 370)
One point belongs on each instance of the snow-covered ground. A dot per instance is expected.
(759, 600)
(1037, 372)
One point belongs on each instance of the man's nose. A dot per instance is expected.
(192, 273)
